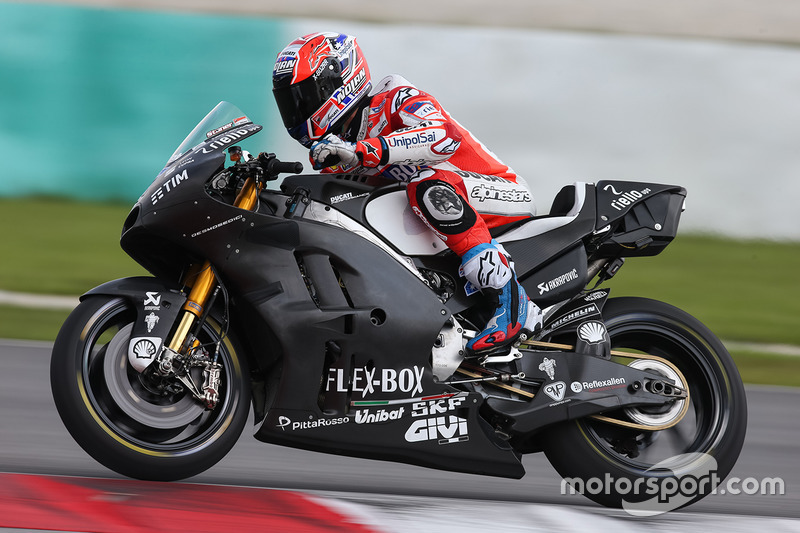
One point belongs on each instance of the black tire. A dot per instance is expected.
(172, 436)
(704, 445)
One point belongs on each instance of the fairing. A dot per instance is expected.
(340, 329)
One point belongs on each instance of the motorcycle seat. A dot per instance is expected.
(566, 207)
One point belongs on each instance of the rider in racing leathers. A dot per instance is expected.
(323, 89)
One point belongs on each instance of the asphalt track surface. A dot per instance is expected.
(34, 441)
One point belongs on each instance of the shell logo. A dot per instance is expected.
(144, 349)
(592, 332)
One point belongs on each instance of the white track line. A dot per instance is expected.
(400, 514)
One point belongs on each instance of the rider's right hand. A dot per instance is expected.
(331, 150)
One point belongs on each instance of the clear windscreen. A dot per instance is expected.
(223, 117)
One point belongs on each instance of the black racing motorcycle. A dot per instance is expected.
(345, 330)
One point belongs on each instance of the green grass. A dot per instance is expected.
(743, 290)
(768, 369)
(59, 247)
(30, 324)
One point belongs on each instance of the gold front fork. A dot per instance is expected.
(205, 280)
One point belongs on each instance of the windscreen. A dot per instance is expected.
(223, 117)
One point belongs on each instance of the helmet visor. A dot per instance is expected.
(298, 102)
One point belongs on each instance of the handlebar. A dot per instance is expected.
(273, 166)
(265, 167)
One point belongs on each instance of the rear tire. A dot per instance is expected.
(118, 418)
(704, 445)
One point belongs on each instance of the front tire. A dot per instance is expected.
(119, 418)
(684, 462)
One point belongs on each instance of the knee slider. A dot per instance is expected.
(443, 207)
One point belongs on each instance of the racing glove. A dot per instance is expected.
(332, 150)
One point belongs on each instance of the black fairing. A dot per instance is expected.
(340, 330)
(341, 309)
(137, 291)
(323, 308)
(558, 280)
(347, 192)
(643, 217)
(552, 266)
(172, 220)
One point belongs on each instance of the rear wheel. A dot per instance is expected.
(141, 425)
(649, 472)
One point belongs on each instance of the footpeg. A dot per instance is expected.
(505, 355)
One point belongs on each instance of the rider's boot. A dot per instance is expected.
(488, 268)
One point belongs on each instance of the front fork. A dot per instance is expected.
(203, 285)
(206, 281)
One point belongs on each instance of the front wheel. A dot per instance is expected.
(140, 425)
(648, 472)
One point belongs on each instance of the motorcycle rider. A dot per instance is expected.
(324, 92)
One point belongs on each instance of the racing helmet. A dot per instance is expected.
(317, 81)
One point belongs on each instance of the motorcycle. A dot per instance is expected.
(345, 329)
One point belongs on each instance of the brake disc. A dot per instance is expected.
(135, 400)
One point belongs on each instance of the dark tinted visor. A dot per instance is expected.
(298, 102)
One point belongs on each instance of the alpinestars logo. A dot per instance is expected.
(446, 146)
(486, 269)
(490, 192)
(402, 95)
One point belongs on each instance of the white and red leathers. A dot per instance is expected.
(455, 184)
(322, 85)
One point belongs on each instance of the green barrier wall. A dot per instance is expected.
(92, 101)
